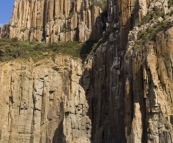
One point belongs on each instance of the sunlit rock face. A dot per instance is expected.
(43, 102)
(54, 20)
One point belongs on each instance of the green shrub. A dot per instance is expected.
(70, 15)
(13, 49)
(102, 3)
(96, 44)
(151, 32)
(170, 3)
(23, 29)
(152, 15)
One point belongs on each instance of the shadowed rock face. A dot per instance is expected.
(130, 96)
(129, 86)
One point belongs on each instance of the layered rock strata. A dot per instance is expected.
(43, 102)
(54, 20)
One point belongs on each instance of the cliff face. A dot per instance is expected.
(149, 76)
(43, 102)
(54, 20)
(121, 94)
(130, 96)
(129, 89)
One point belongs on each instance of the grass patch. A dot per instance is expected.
(13, 49)
(70, 15)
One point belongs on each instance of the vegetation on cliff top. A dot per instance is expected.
(13, 49)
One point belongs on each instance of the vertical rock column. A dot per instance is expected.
(43, 102)
(54, 20)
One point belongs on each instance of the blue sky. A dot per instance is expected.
(6, 10)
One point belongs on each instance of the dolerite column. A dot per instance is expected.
(51, 9)
(30, 16)
(24, 8)
(15, 13)
(78, 5)
(33, 14)
(74, 21)
(20, 14)
(40, 13)
(57, 8)
(27, 15)
(84, 17)
(15, 19)
(62, 6)
(95, 11)
(89, 20)
(66, 7)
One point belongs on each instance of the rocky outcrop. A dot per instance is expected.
(130, 94)
(54, 20)
(5, 31)
(149, 76)
(128, 83)
(43, 102)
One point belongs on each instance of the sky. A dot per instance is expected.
(6, 10)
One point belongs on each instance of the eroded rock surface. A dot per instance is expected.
(43, 102)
